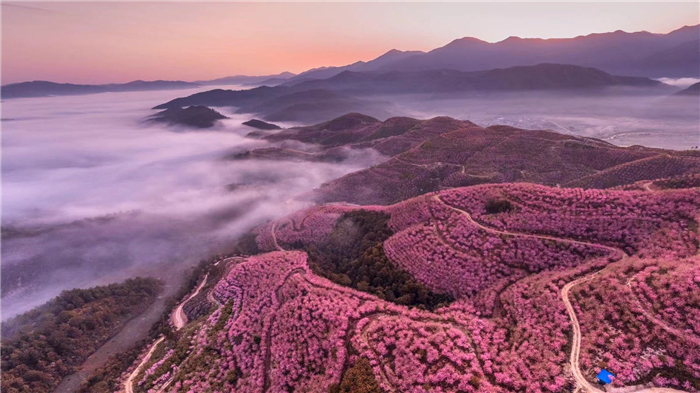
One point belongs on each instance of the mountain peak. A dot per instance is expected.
(466, 41)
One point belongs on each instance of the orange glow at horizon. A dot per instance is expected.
(94, 42)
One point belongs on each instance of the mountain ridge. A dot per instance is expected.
(353, 91)
(41, 88)
(47, 89)
(625, 48)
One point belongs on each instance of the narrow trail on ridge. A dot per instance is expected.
(178, 317)
(277, 304)
(228, 266)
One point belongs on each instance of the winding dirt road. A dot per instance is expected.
(129, 384)
(576, 342)
(274, 236)
(576, 345)
(178, 317)
(210, 297)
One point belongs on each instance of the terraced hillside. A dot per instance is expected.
(542, 287)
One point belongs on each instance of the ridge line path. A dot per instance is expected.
(581, 381)
(178, 317)
(228, 266)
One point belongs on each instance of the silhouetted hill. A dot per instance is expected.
(313, 105)
(339, 131)
(693, 90)
(555, 76)
(541, 77)
(246, 79)
(45, 89)
(372, 65)
(193, 116)
(283, 103)
(220, 97)
(261, 125)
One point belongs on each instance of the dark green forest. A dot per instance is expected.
(353, 255)
(44, 345)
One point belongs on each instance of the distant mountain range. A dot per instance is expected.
(350, 91)
(537, 77)
(463, 63)
(676, 54)
(248, 80)
(48, 89)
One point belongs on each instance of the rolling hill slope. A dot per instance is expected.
(430, 155)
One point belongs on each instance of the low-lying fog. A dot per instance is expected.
(91, 195)
(625, 117)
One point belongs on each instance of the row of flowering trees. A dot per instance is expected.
(655, 167)
(625, 219)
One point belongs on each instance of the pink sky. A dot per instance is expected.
(97, 42)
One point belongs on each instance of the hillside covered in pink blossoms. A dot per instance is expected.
(366, 197)
(462, 290)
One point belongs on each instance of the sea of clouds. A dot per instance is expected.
(93, 194)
